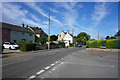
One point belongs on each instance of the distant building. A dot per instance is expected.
(67, 38)
(38, 33)
(14, 33)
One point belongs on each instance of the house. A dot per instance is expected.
(38, 33)
(67, 38)
(15, 33)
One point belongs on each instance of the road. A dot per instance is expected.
(60, 63)
(28, 64)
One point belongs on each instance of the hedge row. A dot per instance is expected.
(28, 47)
(111, 43)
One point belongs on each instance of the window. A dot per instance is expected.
(30, 34)
(15, 32)
(5, 31)
(23, 33)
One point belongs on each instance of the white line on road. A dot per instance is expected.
(56, 62)
(47, 67)
(41, 71)
(32, 76)
(52, 64)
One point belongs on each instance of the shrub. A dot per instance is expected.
(98, 43)
(103, 42)
(110, 43)
(91, 45)
(95, 44)
(117, 43)
(59, 42)
(28, 47)
(87, 44)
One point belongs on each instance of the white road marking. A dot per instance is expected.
(32, 77)
(47, 67)
(62, 62)
(41, 71)
(54, 68)
(52, 64)
(56, 62)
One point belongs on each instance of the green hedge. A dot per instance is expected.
(98, 43)
(111, 43)
(117, 43)
(28, 47)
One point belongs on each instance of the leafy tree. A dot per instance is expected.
(82, 38)
(107, 37)
(53, 37)
(42, 40)
(118, 33)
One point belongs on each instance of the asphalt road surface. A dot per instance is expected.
(26, 65)
(60, 63)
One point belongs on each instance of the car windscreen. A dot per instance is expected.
(12, 43)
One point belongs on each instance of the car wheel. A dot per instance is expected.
(9, 47)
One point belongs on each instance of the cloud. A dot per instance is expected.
(12, 12)
(35, 17)
(100, 12)
(53, 10)
(40, 11)
(16, 15)
(46, 22)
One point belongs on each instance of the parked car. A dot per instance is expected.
(78, 45)
(103, 47)
(10, 45)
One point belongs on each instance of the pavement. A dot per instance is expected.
(70, 62)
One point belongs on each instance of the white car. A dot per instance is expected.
(10, 45)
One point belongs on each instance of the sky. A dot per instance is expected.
(89, 17)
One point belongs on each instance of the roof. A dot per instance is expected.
(38, 31)
(15, 27)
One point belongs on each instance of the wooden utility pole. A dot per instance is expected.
(49, 29)
(98, 35)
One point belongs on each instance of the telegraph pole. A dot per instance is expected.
(73, 31)
(49, 29)
(98, 35)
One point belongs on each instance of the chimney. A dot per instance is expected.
(22, 25)
(62, 30)
(26, 26)
(67, 31)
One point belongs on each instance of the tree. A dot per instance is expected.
(107, 37)
(118, 33)
(53, 37)
(42, 40)
(82, 38)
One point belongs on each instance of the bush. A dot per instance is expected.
(95, 44)
(59, 42)
(117, 43)
(103, 42)
(110, 43)
(91, 45)
(87, 44)
(98, 43)
(28, 46)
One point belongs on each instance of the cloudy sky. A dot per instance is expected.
(89, 17)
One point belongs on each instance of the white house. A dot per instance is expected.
(67, 38)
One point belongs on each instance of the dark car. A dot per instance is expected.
(78, 45)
